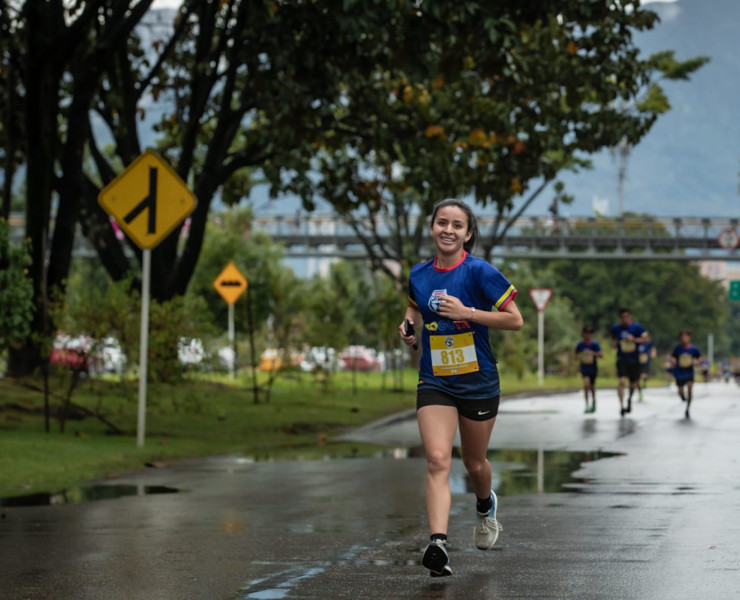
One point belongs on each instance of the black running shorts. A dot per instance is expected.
(475, 410)
(630, 370)
(591, 376)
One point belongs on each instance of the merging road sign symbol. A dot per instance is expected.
(147, 200)
(230, 283)
(149, 203)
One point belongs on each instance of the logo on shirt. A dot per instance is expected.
(434, 299)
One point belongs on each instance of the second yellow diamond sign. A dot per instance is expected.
(230, 283)
(148, 200)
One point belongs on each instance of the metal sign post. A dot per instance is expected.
(232, 342)
(148, 200)
(540, 297)
(143, 346)
(231, 284)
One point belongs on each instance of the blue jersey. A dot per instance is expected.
(457, 357)
(685, 357)
(587, 361)
(627, 350)
(644, 350)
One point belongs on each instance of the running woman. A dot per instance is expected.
(454, 299)
(587, 351)
(625, 336)
(684, 356)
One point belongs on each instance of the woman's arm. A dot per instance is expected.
(508, 318)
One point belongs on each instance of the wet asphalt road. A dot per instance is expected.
(659, 520)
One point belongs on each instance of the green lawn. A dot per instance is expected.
(204, 415)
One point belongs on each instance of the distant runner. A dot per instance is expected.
(684, 356)
(647, 354)
(668, 367)
(587, 351)
(625, 336)
(705, 366)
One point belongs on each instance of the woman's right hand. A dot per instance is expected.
(407, 339)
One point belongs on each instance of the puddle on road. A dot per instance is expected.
(531, 471)
(514, 472)
(86, 493)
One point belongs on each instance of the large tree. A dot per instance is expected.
(54, 54)
(238, 84)
(494, 100)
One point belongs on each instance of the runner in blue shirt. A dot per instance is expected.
(587, 351)
(454, 299)
(684, 356)
(647, 354)
(625, 336)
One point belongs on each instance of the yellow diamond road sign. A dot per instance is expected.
(148, 200)
(230, 283)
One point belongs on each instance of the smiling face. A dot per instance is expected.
(450, 230)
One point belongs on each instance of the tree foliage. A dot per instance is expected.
(274, 289)
(382, 111)
(664, 296)
(493, 100)
(54, 54)
(16, 290)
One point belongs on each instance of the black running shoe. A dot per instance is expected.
(436, 559)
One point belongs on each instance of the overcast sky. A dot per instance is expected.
(176, 3)
(166, 3)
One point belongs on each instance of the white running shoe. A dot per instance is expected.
(487, 527)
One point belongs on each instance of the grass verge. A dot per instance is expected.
(202, 416)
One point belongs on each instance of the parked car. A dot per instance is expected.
(321, 358)
(190, 351)
(226, 357)
(84, 354)
(71, 352)
(270, 360)
(110, 357)
(360, 358)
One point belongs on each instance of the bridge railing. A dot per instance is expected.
(617, 227)
(532, 236)
(680, 238)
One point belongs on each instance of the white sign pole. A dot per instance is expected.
(540, 298)
(231, 340)
(143, 345)
(541, 347)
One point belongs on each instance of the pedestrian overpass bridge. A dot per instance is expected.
(325, 235)
(590, 238)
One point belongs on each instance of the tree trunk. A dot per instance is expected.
(41, 82)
